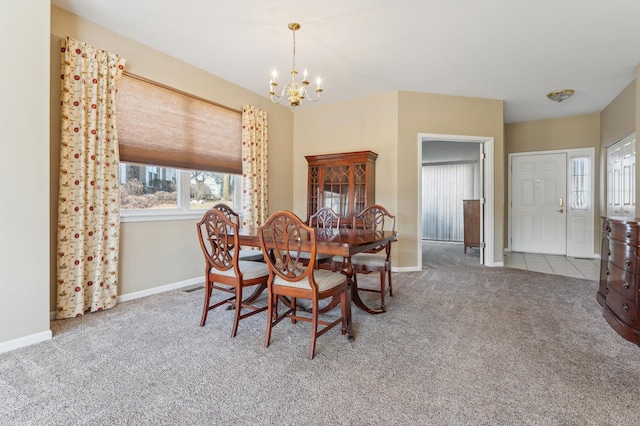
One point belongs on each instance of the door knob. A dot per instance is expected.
(561, 210)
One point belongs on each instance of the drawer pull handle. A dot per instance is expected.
(627, 261)
(625, 307)
(626, 285)
(628, 234)
(609, 253)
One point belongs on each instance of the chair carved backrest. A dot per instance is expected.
(325, 218)
(286, 237)
(228, 211)
(218, 239)
(375, 218)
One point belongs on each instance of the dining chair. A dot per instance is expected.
(377, 259)
(323, 220)
(285, 236)
(224, 271)
(245, 254)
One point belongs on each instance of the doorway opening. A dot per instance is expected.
(483, 186)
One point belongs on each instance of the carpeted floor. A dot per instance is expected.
(460, 344)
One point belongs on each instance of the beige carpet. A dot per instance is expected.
(460, 344)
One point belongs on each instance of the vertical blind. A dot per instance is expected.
(444, 186)
(165, 127)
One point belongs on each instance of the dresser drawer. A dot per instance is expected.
(624, 282)
(623, 231)
(625, 309)
(623, 255)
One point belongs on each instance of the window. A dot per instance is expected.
(580, 176)
(154, 193)
(179, 154)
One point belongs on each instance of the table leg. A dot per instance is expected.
(347, 269)
(350, 336)
(256, 293)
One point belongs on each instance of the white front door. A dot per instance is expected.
(538, 210)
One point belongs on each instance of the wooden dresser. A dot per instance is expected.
(619, 289)
(471, 220)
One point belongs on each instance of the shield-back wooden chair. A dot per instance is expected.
(282, 238)
(323, 220)
(245, 254)
(224, 271)
(378, 259)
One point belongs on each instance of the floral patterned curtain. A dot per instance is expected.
(255, 186)
(88, 203)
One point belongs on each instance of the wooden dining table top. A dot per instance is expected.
(338, 242)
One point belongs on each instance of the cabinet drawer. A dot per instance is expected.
(624, 282)
(623, 231)
(623, 255)
(625, 309)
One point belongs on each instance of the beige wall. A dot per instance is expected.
(24, 216)
(582, 131)
(153, 254)
(449, 115)
(618, 119)
(363, 124)
(389, 124)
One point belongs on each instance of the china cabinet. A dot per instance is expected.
(471, 220)
(343, 181)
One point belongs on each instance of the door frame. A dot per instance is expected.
(587, 151)
(487, 182)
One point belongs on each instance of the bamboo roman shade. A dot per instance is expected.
(164, 127)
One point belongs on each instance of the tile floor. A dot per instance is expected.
(551, 264)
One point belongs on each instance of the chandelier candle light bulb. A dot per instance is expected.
(293, 91)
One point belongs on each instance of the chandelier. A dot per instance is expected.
(294, 92)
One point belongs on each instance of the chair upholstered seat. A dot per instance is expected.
(325, 280)
(369, 259)
(249, 269)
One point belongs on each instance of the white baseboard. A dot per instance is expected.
(405, 269)
(29, 340)
(150, 291)
(161, 289)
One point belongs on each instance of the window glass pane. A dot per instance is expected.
(210, 188)
(148, 187)
(580, 178)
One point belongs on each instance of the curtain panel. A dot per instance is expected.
(444, 187)
(255, 185)
(88, 202)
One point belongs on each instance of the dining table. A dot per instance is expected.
(344, 242)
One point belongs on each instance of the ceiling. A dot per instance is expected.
(499, 49)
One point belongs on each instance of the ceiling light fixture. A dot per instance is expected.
(560, 95)
(294, 92)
